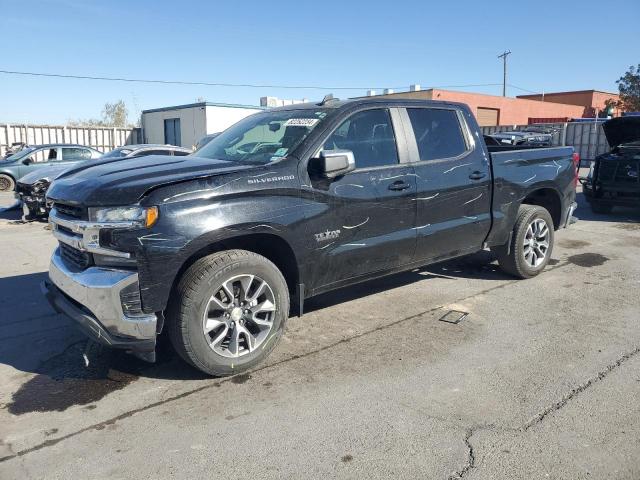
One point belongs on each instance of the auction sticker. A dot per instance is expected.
(301, 122)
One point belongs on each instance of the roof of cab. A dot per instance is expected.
(337, 103)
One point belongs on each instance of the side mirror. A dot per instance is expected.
(27, 161)
(334, 163)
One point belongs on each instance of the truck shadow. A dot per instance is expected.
(618, 215)
(479, 265)
(61, 368)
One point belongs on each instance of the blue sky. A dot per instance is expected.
(562, 45)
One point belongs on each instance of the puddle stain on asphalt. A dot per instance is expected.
(64, 380)
(628, 226)
(588, 259)
(240, 379)
(566, 243)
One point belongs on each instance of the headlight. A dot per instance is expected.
(143, 216)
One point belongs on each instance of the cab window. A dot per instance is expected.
(438, 133)
(369, 135)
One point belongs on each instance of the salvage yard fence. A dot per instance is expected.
(587, 138)
(103, 139)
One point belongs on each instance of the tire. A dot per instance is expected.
(242, 272)
(7, 183)
(523, 239)
(601, 208)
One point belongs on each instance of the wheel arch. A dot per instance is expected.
(549, 198)
(271, 246)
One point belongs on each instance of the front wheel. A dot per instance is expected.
(531, 243)
(6, 183)
(228, 312)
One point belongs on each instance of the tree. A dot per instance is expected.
(113, 115)
(629, 88)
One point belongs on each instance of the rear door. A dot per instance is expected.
(453, 183)
(367, 223)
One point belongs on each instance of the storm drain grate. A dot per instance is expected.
(453, 316)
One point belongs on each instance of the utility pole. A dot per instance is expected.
(504, 75)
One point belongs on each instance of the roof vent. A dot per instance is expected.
(415, 87)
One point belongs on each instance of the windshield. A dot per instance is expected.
(117, 153)
(21, 154)
(264, 137)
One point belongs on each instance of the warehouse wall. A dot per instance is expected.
(220, 118)
(192, 124)
(512, 111)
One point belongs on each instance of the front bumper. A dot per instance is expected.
(92, 299)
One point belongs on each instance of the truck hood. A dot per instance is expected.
(622, 130)
(124, 181)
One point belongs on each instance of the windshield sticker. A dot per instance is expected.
(281, 152)
(301, 122)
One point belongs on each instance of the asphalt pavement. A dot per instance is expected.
(540, 380)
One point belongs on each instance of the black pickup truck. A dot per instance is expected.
(220, 248)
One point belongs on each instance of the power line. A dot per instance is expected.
(220, 84)
(520, 88)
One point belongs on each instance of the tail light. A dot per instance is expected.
(576, 167)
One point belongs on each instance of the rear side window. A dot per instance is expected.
(369, 135)
(437, 132)
(76, 154)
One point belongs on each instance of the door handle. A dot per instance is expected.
(477, 175)
(399, 185)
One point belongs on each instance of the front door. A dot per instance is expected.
(453, 184)
(367, 223)
(172, 135)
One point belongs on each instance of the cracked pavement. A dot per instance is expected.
(541, 380)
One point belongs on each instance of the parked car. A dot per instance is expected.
(32, 188)
(145, 149)
(35, 157)
(614, 177)
(204, 140)
(532, 139)
(220, 247)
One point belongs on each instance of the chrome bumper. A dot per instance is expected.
(92, 297)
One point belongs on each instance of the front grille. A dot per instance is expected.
(75, 258)
(71, 210)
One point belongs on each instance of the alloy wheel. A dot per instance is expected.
(239, 315)
(536, 243)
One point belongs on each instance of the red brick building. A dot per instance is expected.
(593, 101)
(493, 110)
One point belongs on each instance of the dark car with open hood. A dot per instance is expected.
(32, 188)
(614, 177)
(218, 248)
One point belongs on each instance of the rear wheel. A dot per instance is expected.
(531, 243)
(228, 312)
(6, 183)
(602, 208)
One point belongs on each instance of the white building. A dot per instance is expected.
(184, 125)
